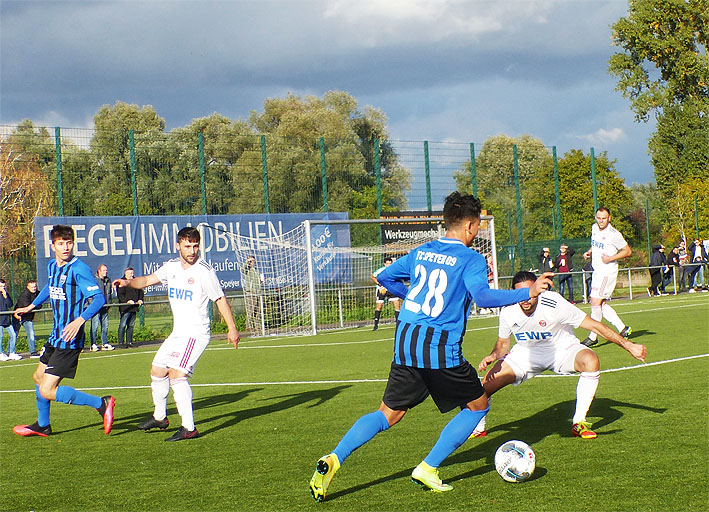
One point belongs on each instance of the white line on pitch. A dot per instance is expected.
(349, 381)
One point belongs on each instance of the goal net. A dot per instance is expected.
(319, 275)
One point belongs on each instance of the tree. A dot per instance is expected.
(664, 58)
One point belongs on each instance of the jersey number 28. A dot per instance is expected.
(433, 286)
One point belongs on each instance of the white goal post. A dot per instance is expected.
(318, 276)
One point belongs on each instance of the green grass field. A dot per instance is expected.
(268, 411)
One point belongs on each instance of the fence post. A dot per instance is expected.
(323, 171)
(428, 175)
(133, 185)
(556, 193)
(264, 166)
(593, 181)
(60, 191)
(473, 170)
(202, 172)
(647, 228)
(520, 235)
(696, 215)
(378, 174)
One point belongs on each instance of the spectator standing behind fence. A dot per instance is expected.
(697, 258)
(101, 318)
(28, 295)
(657, 270)
(6, 325)
(564, 266)
(683, 267)
(131, 300)
(673, 264)
(252, 291)
(546, 263)
(607, 247)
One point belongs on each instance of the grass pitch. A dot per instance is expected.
(268, 411)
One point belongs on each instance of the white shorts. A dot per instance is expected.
(181, 352)
(528, 362)
(602, 285)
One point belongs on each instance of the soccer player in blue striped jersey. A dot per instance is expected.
(70, 283)
(446, 277)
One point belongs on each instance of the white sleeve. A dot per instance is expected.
(569, 314)
(161, 273)
(618, 240)
(504, 330)
(212, 287)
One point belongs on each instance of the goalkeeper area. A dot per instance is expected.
(267, 411)
(319, 275)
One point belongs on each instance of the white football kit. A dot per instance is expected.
(189, 292)
(608, 241)
(543, 341)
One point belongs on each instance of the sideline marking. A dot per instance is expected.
(351, 381)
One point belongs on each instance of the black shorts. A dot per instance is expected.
(60, 362)
(382, 297)
(449, 387)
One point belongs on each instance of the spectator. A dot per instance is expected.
(564, 266)
(683, 266)
(131, 300)
(6, 324)
(697, 258)
(673, 265)
(28, 295)
(657, 267)
(252, 291)
(384, 295)
(101, 318)
(546, 263)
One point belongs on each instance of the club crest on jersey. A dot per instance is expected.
(542, 323)
(62, 280)
(190, 280)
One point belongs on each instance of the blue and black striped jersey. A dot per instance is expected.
(446, 277)
(67, 288)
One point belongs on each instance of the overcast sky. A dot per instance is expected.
(441, 70)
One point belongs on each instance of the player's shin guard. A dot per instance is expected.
(585, 391)
(160, 387)
(454, 434)
(182, 393)
(69, 395)
(42, 408)
(361, 432)
(610, 315)
(596, 314)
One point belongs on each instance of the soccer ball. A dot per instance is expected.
(515, 461)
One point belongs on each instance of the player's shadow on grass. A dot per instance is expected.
(553, 420)
(276, 404)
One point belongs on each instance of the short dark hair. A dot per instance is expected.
(32, 281)
(388, 258)
(189, 233)
(127, 269)
(522, 277)
(603, 209)
(60, 231)
(459, 207)
(2, 281)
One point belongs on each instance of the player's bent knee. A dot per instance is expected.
(587, 361)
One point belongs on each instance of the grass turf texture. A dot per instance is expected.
(268, 411)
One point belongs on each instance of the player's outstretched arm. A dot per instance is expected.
(233, 335)
(636, 350)
(137, 282)
(498, 352)
(542, 284)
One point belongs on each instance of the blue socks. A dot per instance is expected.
(362, 431)
(42, 408)
(453, 435)
(69, 395)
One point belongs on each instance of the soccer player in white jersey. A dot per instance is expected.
(544, 340)
(607, 247)
(191, 284)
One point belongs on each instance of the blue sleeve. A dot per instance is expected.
(42, 297)
(392, 277)
(475, 278)
(97, 303)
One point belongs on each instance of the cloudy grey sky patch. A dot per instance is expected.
(448, 70)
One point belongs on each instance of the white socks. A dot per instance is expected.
(182, 393)
(610, 315)
(585, 391)
(161, 388)
(597, 315)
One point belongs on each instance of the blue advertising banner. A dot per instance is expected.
(146, 242)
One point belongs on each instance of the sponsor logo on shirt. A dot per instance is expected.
(92, 288)
(56, 293)
(180, 293)
(532, 336)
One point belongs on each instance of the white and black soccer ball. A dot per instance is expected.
(515, 461)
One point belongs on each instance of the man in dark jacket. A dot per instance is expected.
(101, 318)
(6, 324)
(564, 266)
(132, 299)
(28, 295)
(657, 267)
(546, 263)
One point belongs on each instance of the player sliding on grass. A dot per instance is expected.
(446, 277)
(543, 330)
(191, 283)
(70, 283)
